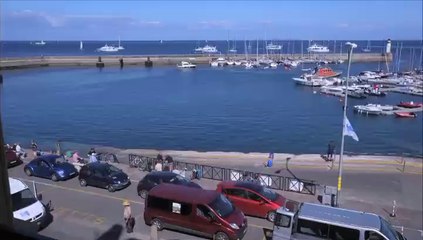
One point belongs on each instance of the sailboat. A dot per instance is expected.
(41, 43)
(119, 47)
(367, 49)
(233, 49)
(81, 45)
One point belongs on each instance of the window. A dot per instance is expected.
(312, 228)
(97, 173)
(181, 208)
(343, 233)
(159, 203)
(222, 206)
(370, 235)
(22, 199)
(43, 164)
(203, 211)
(282, 220)
(253, 196)
(236, 192)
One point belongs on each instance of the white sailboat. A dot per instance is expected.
(367, 49)
(41, 43)
(119, 46)
(81, 45)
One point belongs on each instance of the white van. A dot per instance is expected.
(24, 204)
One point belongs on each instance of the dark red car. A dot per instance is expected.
(252, 198)
(11, 158)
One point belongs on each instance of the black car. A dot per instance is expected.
(103, 175)
(155, 178)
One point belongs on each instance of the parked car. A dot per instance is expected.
(195, 211)
(12, 159)
(103, 175)
(155, 178)
(53, 167)
(252, 198)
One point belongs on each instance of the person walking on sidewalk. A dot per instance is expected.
(331, 150)
(127, 217)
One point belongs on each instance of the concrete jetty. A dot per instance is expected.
(108, 60)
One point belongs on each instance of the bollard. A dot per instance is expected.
(154, 233)
(403, 166)
(121, 62)
(393, 209)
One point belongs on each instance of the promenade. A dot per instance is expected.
(113, 60)
(370, 183)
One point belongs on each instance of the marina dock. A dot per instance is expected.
(57, 61)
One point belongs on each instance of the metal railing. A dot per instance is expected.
(277, 182)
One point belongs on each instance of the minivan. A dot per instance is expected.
(195, 211)
(25, 205)
(251, 198)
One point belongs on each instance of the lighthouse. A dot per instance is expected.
(388, 46)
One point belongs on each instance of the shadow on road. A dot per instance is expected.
(112, 234)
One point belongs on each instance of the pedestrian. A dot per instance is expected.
(269, 162)
(127, 217)
(159, 166)
(34, 145)
(331, 150)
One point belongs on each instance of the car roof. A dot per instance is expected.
(161, 174)
(49, 158)
(339, 215)
(182, 193)
(97, 165)
(243, 184)
(16, 185)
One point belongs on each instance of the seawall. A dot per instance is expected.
(91, 61)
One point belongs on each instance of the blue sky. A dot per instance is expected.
(212, 20)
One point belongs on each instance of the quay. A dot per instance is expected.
(116, 60)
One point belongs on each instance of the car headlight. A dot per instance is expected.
(61, 172)
(234, 226)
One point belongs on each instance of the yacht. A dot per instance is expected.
(199, 49)
(370, 109)
(318, 49)
(41, 43)
(107, 48)
(209, 49)
(186, 65)
(308, 80)
(273, 47)
(233, 50)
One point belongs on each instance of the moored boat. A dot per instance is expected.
(186, 65)
(410, 104)
(406, 114)
(326, 72)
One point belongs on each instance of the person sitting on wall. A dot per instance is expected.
(269, 162)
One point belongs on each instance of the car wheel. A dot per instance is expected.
(110, 188)
(271, 216)
(82, 182)
(143, 194)
(158, 223)
(28, 172)
(54, 178)
(221, 236)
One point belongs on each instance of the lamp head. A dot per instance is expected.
(352, 45)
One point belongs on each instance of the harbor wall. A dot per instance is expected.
(45, 61)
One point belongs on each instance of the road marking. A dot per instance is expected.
(78, 214)
(82, 191)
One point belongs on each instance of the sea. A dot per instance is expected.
(203, 109)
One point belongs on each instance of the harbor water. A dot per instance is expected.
(204, 109)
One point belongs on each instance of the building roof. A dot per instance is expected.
(180, 193)
(16, 185)
(339, 215)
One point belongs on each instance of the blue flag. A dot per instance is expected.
(349, 130)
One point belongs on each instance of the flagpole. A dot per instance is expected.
(341, 154)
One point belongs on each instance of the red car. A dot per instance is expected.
(11, 158)
(251, 198)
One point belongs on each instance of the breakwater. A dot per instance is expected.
(115, 60)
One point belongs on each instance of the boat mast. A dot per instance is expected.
(399, 58)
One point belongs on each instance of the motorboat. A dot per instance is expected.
(233, 50)
(369, 109)
(238, 63)
(308, 80)
(249, 65)
(332, 90)
(41, 43)
(107, 48)
(410, 104)
(199, 49)
(326, 72)
(186, 65)
(273, 65)
(229, 62)
(374, 92)
(405, 114)
(318, 49)
(209, 49)
(214, 64)
(273, 47)
(221, 61)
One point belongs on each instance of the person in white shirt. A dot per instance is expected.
(159, 166)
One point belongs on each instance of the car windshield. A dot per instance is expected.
(269, 194)
(22, 199)
(179, 179)
(58, 160)
(110, 170)
(222, 206)
(387, 230)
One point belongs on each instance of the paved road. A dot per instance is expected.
(88, 213)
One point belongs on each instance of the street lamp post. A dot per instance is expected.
(341, 154)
